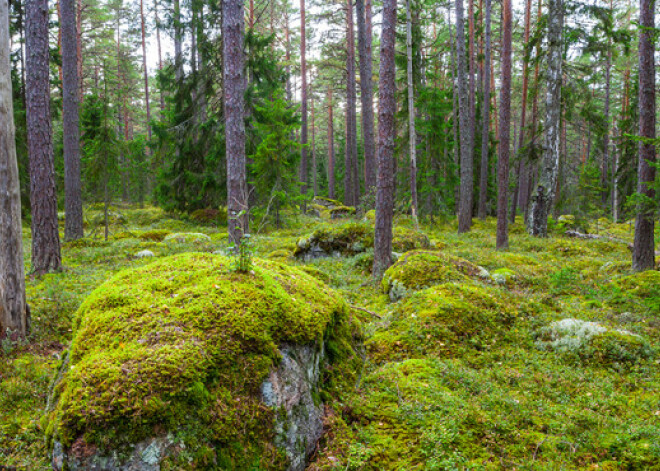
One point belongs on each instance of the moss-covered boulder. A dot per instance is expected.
(329, 241)
(186, 238)
(420, 269)
(185, 363)
(404, 240)
(445, 320)
(156, 235)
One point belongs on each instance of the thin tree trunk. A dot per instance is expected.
(234, 81)
(331, 147)
(412, 135)
(14, 313)
(144, 67)
(351, 179)
(73, 192)
(366, 92)
(643, 247)
(465, 194)
(485, 134)
(287, 55)
(386, 136)
(544, 193)
(79, 55)
(178, 41)
(505, 130)
(314, 163)
(606, 135)
(160, 54)
(472, 94)
(46, 254)
(304, 164)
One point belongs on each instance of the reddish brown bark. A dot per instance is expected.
(505, 130)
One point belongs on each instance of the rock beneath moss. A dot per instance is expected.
(187, 237)
(334, 241)
(421, 269)
(185, 362)
(405, 240)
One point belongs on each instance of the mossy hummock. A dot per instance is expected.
(183, 346)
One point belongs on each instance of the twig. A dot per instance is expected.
(378, 316)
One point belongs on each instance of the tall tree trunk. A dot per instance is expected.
(14, 313)
(304, 164)
(412, 137)
(465, 194)
(455, 113)
(606, 136)
(234, 80)
(505, 130)
(351, 179)
(472, 94)
(485, 134)
(386, 135)
(643, 246)
(543, 195)
(331, 147)
(366, 93)
(79, 56)
(146, 73)
(178, 42)
(73, 228)
(160, 54)
(46, 254)
(287, 55)
(314, 162)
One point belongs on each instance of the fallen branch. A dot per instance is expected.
(377, 316)
(580, 235)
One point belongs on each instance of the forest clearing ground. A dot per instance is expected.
(424, 402)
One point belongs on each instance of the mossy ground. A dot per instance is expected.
(494, 400)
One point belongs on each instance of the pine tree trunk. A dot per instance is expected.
(505, 130)
(351, 178)
(314, 163)
(331, 147)
(544, 193)
(79, 56)
(386, 136)
(304, 164)
(606, 135)
(178, 41)
(73, 228)
(465, 193)
(472, 93)
(145, 72)
(46, 254)
(643, 246)
(412, 135)
(160, 54)
(14, 313)
(485, 134)
(234, 81)
(366, 93)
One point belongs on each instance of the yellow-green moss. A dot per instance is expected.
(345, 239)
(445, 320)
(156, 235)
(404, 240)
(421, 269)
(184, 344)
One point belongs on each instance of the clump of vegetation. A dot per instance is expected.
(156, 235)
(421, 269)
(346, 239)
(184, 344)
(404, 240)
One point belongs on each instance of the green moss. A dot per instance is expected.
(345, 239)
(339, 212)
(184, 343)
(421, 269)
(156, 235)
(445, 320)
(404, 240)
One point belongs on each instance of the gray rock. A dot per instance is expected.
(145, 254)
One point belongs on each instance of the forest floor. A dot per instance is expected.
(469, 374)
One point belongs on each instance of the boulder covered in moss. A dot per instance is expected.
(185, 363)
(445, 320)
(333, 241)
(404, 240)
(187, 237)
(421, 269)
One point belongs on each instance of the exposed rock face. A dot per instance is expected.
(291, 388)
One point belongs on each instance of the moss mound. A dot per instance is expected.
(183, 345)
(346, 239)
(404, 240)
(421, 269)
(445, 320)
(641, 290)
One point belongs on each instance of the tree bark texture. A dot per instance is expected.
(351, 177)
(386, 135)
(14, 317)
(73, 228)
(412, 135)
(366, 93)
(46, 255)
(544, 193)
(465, 193)
(144, 70)
(505, 130)
(331, 147)
(643, 246)
(234, 80)
(485, 134)
(304, 164)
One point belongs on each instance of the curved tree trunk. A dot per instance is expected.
(14, 316)
(386, 135)
(46, 254)
(546, 187)
(234, 81)
(643, 247)
(73, 228)
(366, 93)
